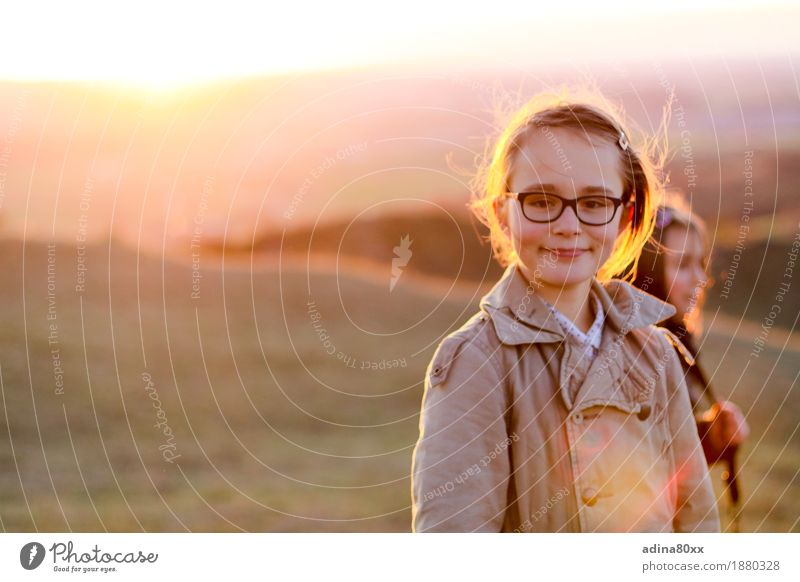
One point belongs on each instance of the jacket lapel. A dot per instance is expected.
(520, 317)
(616, 377)
(518, 313)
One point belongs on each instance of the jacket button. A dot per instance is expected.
(589, 496)
(577, 418)
(437, 370)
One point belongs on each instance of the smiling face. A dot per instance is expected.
(564, 253)
(685, 261)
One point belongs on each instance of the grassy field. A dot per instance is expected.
(227, 411)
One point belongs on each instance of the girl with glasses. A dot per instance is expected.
(560, 405)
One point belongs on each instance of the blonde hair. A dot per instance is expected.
(590, 114)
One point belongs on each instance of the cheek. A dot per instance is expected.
(687, 281)
(671, 278)
(604, 238)
(526, 233)
(681, 287)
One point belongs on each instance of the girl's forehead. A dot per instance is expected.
(563, 157)
(683, 239)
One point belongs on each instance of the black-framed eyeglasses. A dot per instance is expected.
(547, 207)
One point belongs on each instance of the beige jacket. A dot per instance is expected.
(519, 433)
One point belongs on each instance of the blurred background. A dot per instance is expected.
(231, 240)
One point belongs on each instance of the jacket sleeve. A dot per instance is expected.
(460, 467)
(696, 501)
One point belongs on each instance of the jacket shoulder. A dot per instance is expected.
(475, 331)
(677, 344)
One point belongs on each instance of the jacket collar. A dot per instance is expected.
(520, 316)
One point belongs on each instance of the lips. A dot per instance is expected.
(565, 253)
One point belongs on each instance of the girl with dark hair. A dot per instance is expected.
(673, 267)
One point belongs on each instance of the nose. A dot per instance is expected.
(700, 277)
(567, 223)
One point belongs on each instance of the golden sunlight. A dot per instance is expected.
(161, 45)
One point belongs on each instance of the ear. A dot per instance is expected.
(500, 209)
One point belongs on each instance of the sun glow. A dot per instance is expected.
(167, 44)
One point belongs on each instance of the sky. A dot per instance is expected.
(172, 43)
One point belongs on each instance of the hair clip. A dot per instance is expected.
(663, 217)
(623, 141)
